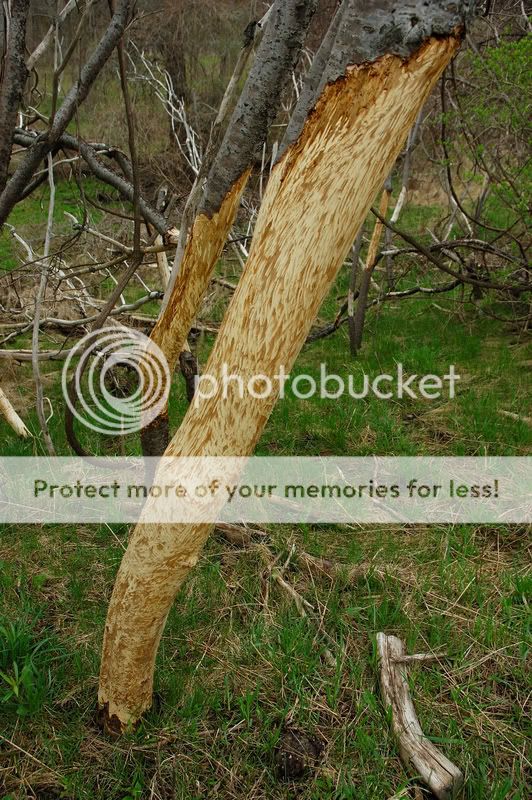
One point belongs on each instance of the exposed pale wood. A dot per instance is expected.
(11, 417)
(316, 200)
(364, 31)
(202, 251)
(418, 754)
(516, 417)
(211, 209)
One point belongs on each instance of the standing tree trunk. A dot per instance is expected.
(365, 281)
(401, 200)
(13, 76)
(201, 245)
(317, 198)
(352, 290)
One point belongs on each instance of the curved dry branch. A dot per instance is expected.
(418, 754)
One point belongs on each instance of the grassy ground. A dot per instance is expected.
(232, 669)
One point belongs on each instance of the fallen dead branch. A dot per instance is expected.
(418, 754)
(11, 417)
(272, 571)
(335, 570)
(239, 535)
(516, 417)
(26, 355)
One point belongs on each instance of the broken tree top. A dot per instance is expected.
(369, 30)
(363, 32)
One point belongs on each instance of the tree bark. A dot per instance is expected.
(315, 202)
(315, 79)
(353, 287)
(217, 208)
(13, 80)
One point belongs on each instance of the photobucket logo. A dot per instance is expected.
(329, 386)
(120, 380)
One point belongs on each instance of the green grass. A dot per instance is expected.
(25, 216)
(231, 669)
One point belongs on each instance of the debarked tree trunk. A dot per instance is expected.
(217, 207)
(317, 198)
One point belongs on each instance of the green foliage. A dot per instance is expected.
(495, 116)
(505, 69)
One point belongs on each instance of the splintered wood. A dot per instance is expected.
(418, 754)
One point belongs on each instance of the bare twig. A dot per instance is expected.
(41, 292)
(46, 41)
(352, 292)
(430, 256)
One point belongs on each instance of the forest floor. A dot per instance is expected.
(234, 670)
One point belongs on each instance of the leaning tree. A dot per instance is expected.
(369, 79)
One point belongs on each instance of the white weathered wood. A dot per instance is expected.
(516, 417)
(11, 416)
(419, 756)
